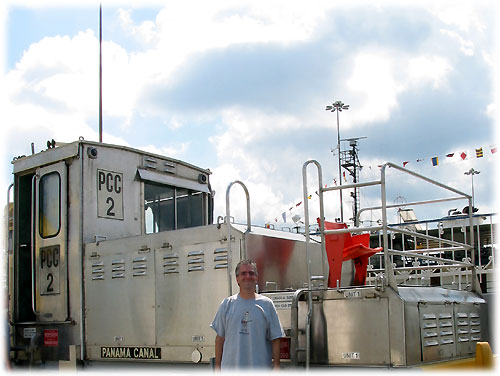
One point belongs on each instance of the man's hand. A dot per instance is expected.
(276, 353)
(219, 347)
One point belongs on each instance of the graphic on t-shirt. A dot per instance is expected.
(244, 323)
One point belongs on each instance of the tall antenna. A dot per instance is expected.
(350, 161)
(100, 72)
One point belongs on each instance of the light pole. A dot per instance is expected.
(339, 106)
(472, 172)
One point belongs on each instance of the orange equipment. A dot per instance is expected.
(343, 247)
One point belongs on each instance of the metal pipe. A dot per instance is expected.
(389, 272)
(476, 287)
(82, 253)
(294, 335)
(7, 247)
(438, 259)
(356, 229)
(228, 227)
(349, 186)
(410, 204)
(308, 255)
(33, 224)
(389, 164)
(429, 237)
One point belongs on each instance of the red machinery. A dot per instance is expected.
(344, 247)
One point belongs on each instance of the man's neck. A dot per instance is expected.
(247, 294)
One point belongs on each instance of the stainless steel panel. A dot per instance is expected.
(51, 254)
(281, 260)
(467, 327)
(437, 336)
(120, 302)
(413, 348)
(358, 331)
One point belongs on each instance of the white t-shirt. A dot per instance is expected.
(248, 327)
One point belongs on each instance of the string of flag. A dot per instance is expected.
(434, 161)
(461, 156)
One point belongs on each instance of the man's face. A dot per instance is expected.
(247, 279)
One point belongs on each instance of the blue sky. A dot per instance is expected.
(240, 87)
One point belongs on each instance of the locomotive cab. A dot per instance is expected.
(79, 193)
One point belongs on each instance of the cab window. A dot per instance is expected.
(171, 208)
(49, 205)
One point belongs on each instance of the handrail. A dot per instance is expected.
(228, 227)
(415, 203)
(385, 227)
(33, 230)
(391, 278)
(308, 252)
(294, 335)
(7, 235)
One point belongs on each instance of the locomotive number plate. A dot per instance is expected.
(109, 194)
(49, 270)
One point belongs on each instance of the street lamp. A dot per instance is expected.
(472, 172)
(339, 106)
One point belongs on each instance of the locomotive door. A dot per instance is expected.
(50, 234)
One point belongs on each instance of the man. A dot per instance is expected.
(247, 326)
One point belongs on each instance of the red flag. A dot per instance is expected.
(405, 163)
(298, 204)
(493, 149)
(463, 155)
(450, 155)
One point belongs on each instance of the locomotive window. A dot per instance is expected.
(170, 208)
(189, 208)
(50, 205)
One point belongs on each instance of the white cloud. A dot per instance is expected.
(379, 77)
(467, 47)
(462, 14)
(145, 32)
(431, 70)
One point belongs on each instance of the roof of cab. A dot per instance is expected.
(69, 150)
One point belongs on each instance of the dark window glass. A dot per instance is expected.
(50, 205)
(169, 208)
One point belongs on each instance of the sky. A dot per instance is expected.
(240, 87)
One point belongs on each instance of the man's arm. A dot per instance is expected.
(219, 347)
(276, 353)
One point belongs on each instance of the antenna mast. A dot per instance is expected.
(350, 161)
(100, 72)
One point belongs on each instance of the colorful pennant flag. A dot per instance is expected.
(479, 153)
(405, 163)
(435, 161)
(493, 149)
(450, 155)
(463, 155)
(284, 216)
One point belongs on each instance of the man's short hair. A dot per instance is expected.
(246, 262)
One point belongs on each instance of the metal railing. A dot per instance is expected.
(388, 232)
(228, 227)
(447, 266)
